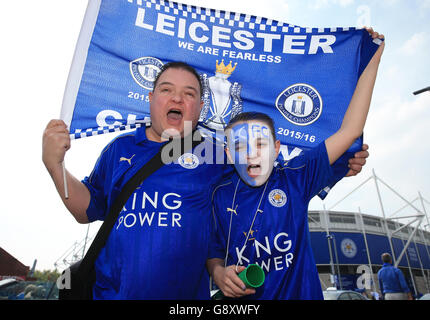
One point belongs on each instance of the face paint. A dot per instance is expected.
(252, 148)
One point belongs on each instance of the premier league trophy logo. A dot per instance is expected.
(298, 106)
(221, 97)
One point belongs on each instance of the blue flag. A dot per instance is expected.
(303, 78)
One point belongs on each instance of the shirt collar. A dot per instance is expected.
(273, 178)
(140, 135)
(387, 265)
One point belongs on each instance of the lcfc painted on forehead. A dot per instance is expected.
(245, 131)
(258, 130)
(240, 132)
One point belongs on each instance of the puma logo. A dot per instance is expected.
(125, 159)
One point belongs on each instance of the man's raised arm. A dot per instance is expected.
(55, 143)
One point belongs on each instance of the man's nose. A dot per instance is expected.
(177, 97)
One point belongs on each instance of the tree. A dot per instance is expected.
(46, 275)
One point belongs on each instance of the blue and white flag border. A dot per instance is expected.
(78, 62)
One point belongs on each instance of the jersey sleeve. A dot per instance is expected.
(320, 172)
(402, 281)
(340, 169)
(217, 244)
(313, 169)
(381, 284)
(95, 183)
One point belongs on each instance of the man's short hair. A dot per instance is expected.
(386, 258)
(182, 66)
(249, 116)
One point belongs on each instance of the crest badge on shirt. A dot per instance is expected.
(277, 198)
(188, 161)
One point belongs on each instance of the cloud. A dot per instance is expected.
(396, 131)
(396, 119)
(414, 44)
(319, 4)
(425, 4)
(274, 9)
(278, 9)
(388, 3)
(345, 3)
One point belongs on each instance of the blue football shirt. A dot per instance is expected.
(278, 240)
(392, 280)
(159, 244)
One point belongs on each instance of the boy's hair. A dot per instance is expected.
(249, 116)
(182, 66)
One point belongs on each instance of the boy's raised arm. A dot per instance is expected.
(356, 114)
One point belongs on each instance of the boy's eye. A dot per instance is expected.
(261, 144)
(240, 147)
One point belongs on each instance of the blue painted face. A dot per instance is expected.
(252, 150)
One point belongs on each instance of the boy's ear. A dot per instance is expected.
(277, 147)
(229, 157)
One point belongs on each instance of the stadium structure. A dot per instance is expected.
(344, 242)
(347, 246)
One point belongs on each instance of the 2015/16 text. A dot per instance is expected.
(296, 135)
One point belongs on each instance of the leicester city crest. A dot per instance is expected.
(277, 198)
(144, 71)
(348, 247)
(188, 161)
(301, 104)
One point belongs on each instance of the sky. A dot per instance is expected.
(38, 41)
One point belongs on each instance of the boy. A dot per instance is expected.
(261, 216)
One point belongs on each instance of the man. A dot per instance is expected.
(158, 247)
(392, 282)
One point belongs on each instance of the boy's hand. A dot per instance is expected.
(375, 35)
(357, 163)
(229, 282)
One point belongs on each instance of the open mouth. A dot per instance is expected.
(254, 170)
(174, 115)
